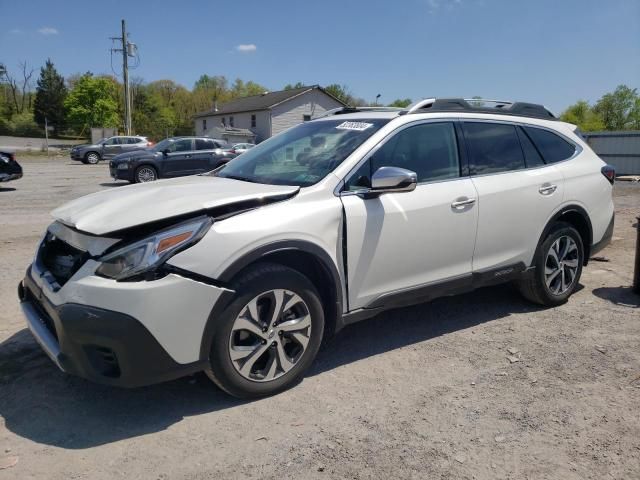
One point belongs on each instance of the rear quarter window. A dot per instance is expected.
(552, 147)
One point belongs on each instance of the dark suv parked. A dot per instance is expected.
(108, 148)
(172, 157)
(9, 168)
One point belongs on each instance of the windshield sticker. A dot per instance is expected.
(357, 126)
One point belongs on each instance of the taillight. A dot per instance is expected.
(149, 144)
(609, 172)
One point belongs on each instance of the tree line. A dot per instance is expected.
(72, 105)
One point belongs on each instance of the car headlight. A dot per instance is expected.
(122, 166)
(146, 255)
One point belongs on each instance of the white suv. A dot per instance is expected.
(242, 272)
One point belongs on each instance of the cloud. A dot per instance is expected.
(15, 31)
(246, 48)
(48, 31)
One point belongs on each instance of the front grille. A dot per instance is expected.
(60, 259)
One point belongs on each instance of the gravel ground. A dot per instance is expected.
(13, 144)
(420, 392)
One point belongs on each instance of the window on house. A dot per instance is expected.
(204, 124)
(231, 121)
(253, 121)
(224, 122)
(306, 118)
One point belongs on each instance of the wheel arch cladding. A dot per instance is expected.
(577, 217)
(305, 257)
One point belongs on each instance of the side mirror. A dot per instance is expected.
(165, 152)
(393, 179)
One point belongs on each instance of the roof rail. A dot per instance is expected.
(344, 110)
(479, 105)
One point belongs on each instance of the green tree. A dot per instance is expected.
(583, 115)
(288, 86)
(50, 95)
(93, 102)
(617, 109)
(401, 103)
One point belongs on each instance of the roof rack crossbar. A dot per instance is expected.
(477, 105)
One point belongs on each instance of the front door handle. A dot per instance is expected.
(547, 189)
(463, 202)
(187, 156)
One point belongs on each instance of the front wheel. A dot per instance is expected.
(92, 158)
(268, 335)
(146, 173)
(558, 266)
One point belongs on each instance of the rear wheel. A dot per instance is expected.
(268, 335)
(92, 158)
(558, 266)
(146, 173)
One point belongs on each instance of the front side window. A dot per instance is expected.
(111, 141)
(183, 145)
(552, 147)
(430, 150)
(493, 147)
(302, 155)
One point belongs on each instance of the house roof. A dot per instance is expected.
(264, 101)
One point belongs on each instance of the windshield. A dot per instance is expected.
(303, 155)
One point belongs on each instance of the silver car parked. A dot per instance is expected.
(108, 148)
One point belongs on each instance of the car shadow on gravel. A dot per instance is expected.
(622, 296)
(7, 189)
(114, 184)
(40, 403)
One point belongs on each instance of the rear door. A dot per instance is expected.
(207, 155)
(517, 193)
(180, 159)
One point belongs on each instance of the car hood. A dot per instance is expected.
(121, 208)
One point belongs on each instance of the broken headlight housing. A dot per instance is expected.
(145, 256)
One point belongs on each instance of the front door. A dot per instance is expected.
(405, 243)
(180, 159)
(111, 148)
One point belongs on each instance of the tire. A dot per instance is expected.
(84, 161)
(552, 282)
(266, 360)
(145, 173)
(92, 158)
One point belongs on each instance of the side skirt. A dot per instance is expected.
(431, 291)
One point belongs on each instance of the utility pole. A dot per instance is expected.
(127, 50)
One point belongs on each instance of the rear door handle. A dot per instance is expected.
(463, 202)
(547, 189)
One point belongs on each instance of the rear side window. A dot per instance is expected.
(552, 147)
(531, 155)
(493, 147)
(204, 144)
(429, 149)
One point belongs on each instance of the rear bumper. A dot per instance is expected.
(98, 344)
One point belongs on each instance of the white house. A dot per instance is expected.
(266, 114)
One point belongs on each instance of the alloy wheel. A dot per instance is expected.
(270, 335)
(93, 158)
(561, 265)
(146, 174)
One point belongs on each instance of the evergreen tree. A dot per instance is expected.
(50, 95)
